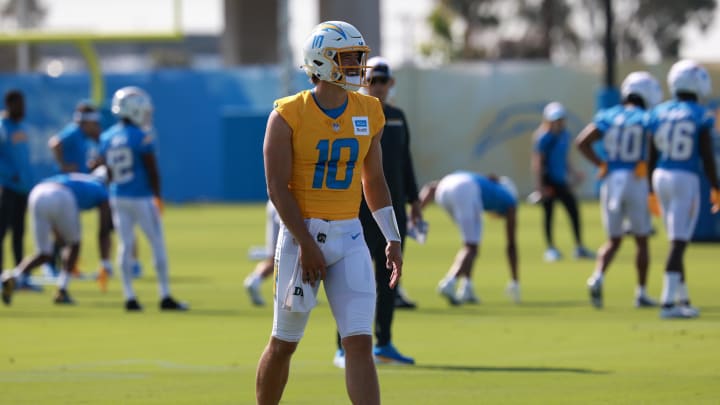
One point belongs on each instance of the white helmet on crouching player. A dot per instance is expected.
(133, 104)
(323, 51)
(687, 76)
(643, 85)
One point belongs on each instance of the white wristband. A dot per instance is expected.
(385, 218)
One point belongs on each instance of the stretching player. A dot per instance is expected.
(624, 191)
(55, 206)
(681, 143)
(465, 196)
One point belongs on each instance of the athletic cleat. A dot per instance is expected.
(252, 286)
(595, 291)
(404, 303)
(679, 312)
(169, 304)
(103, 278)
(63, 298)
(643, 301)
(132, 305)
(388, 354)
(552, 255)
(339, 359)
(447, 290)
(513, 291)
(582, 252)
(402, 300)
(694, 312)
(466, 294)
(8, 286)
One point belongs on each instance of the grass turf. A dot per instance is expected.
(553, 348)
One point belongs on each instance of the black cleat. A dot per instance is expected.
(404, 303)
(63, 298)
(132, 305)
(8, 286)
(169, 304)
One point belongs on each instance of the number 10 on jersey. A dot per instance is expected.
(329, 155)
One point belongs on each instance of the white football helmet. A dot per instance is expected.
(687, 76)
(134, 104)
(643, 85)
(322, 53)
(509, 186)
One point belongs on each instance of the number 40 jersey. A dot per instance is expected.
(676, 126)
(623, 129)
(122, 147)
(328, 153)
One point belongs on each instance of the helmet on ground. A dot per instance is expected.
(687, 76)
(133, 104)
(323, 55)
(643, 85)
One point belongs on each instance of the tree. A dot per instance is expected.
(540, 29)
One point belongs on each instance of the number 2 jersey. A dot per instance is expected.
(122, 147)
(675, 126)
(328, 153)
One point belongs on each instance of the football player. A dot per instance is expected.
(554, 176)
(75, 147)
(680, 144)
(465, 196)
(624, 190)
(322, 151)
(55, 206)
(128, 150)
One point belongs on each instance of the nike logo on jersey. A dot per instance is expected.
(355, 236)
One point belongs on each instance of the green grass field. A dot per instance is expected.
(551, 349)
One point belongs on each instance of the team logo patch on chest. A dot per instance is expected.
(361, 126)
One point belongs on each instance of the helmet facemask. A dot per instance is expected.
(326, 55)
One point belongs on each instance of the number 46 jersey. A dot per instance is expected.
(122, 147)
(328, 153)
(623, 129)
(675, 127)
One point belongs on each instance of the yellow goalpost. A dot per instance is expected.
(85, 41)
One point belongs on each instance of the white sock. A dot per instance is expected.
(126, 278)
(163, 281)
(513, 284)
(682, 293)
(252, 280)
(63, 280)
(671, 281)
(640, 291)
(598, 275)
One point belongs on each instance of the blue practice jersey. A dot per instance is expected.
(122, 147)
(77, 148)
(555, 148)
(623, 134)
(89, 192)
(675, 127)
(495, 198)
(16, 173)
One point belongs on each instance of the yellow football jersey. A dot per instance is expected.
(328, 153)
